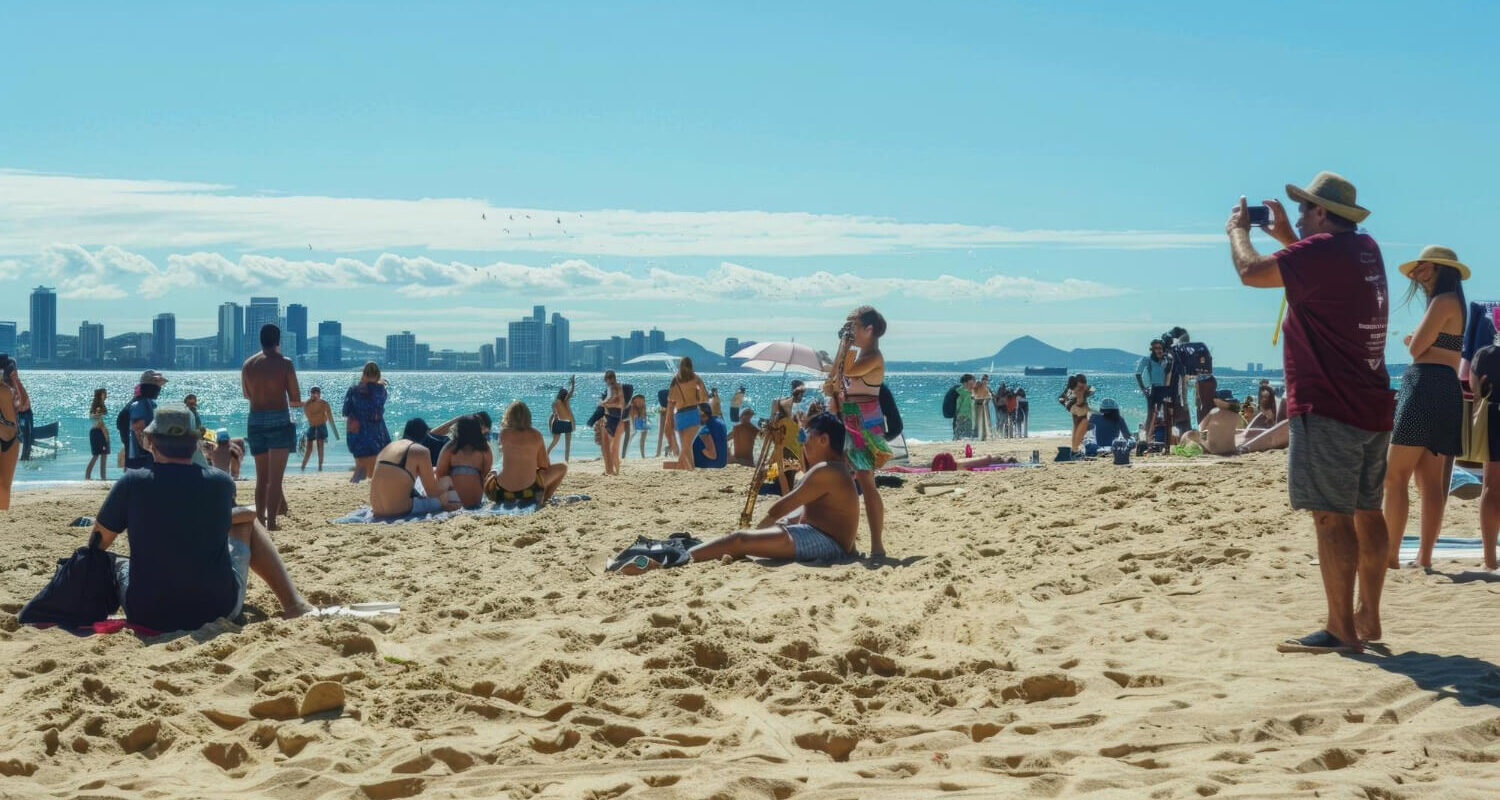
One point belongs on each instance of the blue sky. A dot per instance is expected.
(976, 171)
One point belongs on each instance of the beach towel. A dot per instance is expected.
(364, 515)
(669, 552)
(359, 610)
(103, 627)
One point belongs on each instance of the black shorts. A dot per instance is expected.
(561, 426)
(98, 442)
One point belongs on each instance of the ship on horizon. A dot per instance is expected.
(1046, 370)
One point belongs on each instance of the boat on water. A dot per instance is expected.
(1046, 370)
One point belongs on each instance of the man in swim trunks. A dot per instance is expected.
(269, 381)
(744, 435)
(227, 453)
(823, 532)
(319, 416)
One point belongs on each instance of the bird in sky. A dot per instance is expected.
(482, 216)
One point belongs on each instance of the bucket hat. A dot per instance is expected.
(1437, 254)
(1333, 192)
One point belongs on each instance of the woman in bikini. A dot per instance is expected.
(561, 423)
(464, 462)
(525, 476)
(640, 421)
(98, 436)
(614, 417)
(1428, 429)
(858, 398)
(399, 468)
(684, 397)
(9, 429)
(1078, 406)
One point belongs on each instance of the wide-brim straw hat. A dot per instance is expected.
(1437, 254)
(1333, 192)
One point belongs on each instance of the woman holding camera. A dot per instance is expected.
(1428, 430)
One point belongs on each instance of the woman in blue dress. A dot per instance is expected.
(364, 420)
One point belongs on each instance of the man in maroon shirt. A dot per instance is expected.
(1338, 393)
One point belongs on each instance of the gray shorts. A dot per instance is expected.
(1336, 467)
(811, 544)
(422, 506)
(239, 559)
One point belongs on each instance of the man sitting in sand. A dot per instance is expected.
(823, 532)
(226, 453)
(744, 435)
(319, 416)
(400, 468)
(525, 477)
(191, 549)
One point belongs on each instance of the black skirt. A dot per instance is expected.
(1429, 409)
(98, 442)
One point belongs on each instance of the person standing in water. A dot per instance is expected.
(319, 416)
(561, 423)
(98, 436)
(269, 381)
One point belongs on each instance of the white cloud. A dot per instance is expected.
(145, 214)
(97, 275)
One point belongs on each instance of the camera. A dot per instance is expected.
(1259, 215)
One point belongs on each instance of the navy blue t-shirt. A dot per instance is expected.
(177, 517)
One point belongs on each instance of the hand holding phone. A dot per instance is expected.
(1259, 215)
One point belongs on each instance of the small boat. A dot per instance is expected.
(1046, 370)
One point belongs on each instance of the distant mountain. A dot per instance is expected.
(1029, 351)
(703, 358)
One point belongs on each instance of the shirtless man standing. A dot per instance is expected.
(319, 419)
(269, 382)
(823, 532)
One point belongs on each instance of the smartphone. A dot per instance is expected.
(1259, 215)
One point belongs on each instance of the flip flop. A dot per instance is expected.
(1319, 642)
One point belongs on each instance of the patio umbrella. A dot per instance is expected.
(667, 359)
(780, 354)
(764, 365)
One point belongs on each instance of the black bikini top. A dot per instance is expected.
(1449, 341)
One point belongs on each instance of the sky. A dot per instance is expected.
(976, 171)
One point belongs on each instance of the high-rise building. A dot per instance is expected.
(526, 344)
(43, 325)
(400, 350)
(8, 338)
(421, 356)
(593, 357)
(486, 356)
(502, 356)
(231, 341)
(330, 344)
(296, 323)
(558, 342)
(164, 340)
(657, 341)
(191, 356)
(290, 344)
(615, 355)
(91, 343)
(262, 311)
(539, 313)
(731, 346)
(637, 346)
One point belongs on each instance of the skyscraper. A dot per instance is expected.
(401, 350)
(502, 356)
(231, 334)
(486, 356)
(559, 342)
(164, 340)
(262, 311)
(43, 325)
(91, 343)
(421, 356)
(731, 346)
(637, 346)
(8, 338)
(657, 342)
(330, 344)
(526, 344)
(296, 323)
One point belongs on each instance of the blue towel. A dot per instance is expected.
(363, 514)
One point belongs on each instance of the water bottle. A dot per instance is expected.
(968, 451)
(1121, 449)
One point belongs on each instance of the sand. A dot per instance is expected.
(1077, 630)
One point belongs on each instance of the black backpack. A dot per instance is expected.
(950, 403)
(891, 412)
(82, 590)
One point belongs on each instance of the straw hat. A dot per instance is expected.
(1437, 254)
(1333, 192)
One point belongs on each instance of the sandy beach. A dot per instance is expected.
(1064, 631)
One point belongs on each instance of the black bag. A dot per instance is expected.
(82, 591)
(891, 413)
(950, 403)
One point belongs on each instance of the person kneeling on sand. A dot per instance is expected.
(399, 468)
(191, 549)
(825, 529)
(525, 476)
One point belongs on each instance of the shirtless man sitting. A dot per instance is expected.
(526, 477)
(401, 466)
(269, 382)
(825, 529)
(319, 416)
(744, 435)
(226, 453)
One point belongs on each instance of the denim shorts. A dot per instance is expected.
(239, 559)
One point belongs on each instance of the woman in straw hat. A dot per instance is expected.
(1428, 431)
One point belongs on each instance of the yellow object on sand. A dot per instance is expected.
(1280, 315)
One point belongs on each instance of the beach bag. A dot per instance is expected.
(944, 462)
(1121, 450)
(82, 590)
(950, 403)
(1476, 435)
(891, 413)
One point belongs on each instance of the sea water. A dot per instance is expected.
(63, 396)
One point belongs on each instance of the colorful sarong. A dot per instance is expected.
(864, 434)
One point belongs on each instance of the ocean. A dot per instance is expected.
(63, 396)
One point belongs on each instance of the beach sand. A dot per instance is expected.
(1066, 631)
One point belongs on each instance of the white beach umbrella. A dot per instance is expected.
(781, 354)
(667, 359)
(763, 365)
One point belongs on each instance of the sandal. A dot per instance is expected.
(1319, 642)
